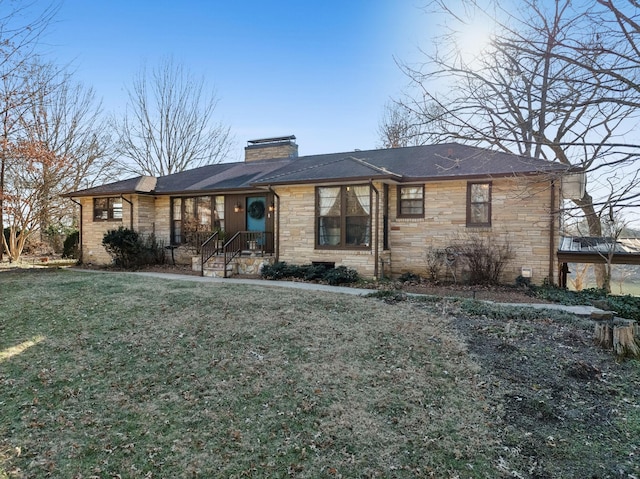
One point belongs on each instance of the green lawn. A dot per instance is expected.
(113, 375)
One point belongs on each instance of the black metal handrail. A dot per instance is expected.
(253, 242)
(208, 249)
(195, 239)
(232, 248)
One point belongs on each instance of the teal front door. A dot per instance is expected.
(256, 213)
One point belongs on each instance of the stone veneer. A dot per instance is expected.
(242, 265)
(521, 215)
(521, 209)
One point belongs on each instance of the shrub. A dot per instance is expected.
(276, 271)
(55, 234)
(129, 250)
(311, 272)
(314, 272)
(71, 246)
(435, 261)
(340, 275)
(153, 250)
(484, 258)
(409, 278)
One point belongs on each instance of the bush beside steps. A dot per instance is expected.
(310, 272)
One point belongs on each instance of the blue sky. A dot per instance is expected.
(321, 70)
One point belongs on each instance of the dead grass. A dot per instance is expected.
(121, 376)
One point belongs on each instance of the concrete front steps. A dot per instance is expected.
(245, 264)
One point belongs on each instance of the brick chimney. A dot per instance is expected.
(271, 148)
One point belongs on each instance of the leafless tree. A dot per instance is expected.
(20, 32)
(399, 126)
(66, 119)
(169, 123)
(543, 87)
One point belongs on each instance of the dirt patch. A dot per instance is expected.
(550, 390)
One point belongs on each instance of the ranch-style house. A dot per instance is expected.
(382, 212)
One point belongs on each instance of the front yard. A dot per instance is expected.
(113, 375)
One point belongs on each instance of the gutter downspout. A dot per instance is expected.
(79, 229)
(276, 239)
(552, 230)
(376, 252)
(131, 210)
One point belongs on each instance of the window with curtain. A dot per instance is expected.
(411, 201)
(479, 204)
(193, 217)
(343, 216)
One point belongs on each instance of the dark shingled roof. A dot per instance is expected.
(429, 162)
(139, 184)
(224, 176)
(411, 164)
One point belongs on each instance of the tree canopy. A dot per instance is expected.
(169, 125)
(558, 80)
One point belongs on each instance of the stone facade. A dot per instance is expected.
(522, 215)
(281, 149)
(93, 231)
(250, 265)
(297, 234)
(138, 212)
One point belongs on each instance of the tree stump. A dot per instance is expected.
(621, 335)
(625, 338)
(603, 334)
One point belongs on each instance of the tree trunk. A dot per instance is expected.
(2, 241)
(595, 229)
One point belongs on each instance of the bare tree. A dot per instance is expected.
(23, 192)
(66, 119)
(20, 32)
(542, 88)
(169, 125)
(399, 126)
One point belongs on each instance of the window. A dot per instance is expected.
(343, 216)
(195, 217)
(411, 201)
(479, 204)
(105, 209)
